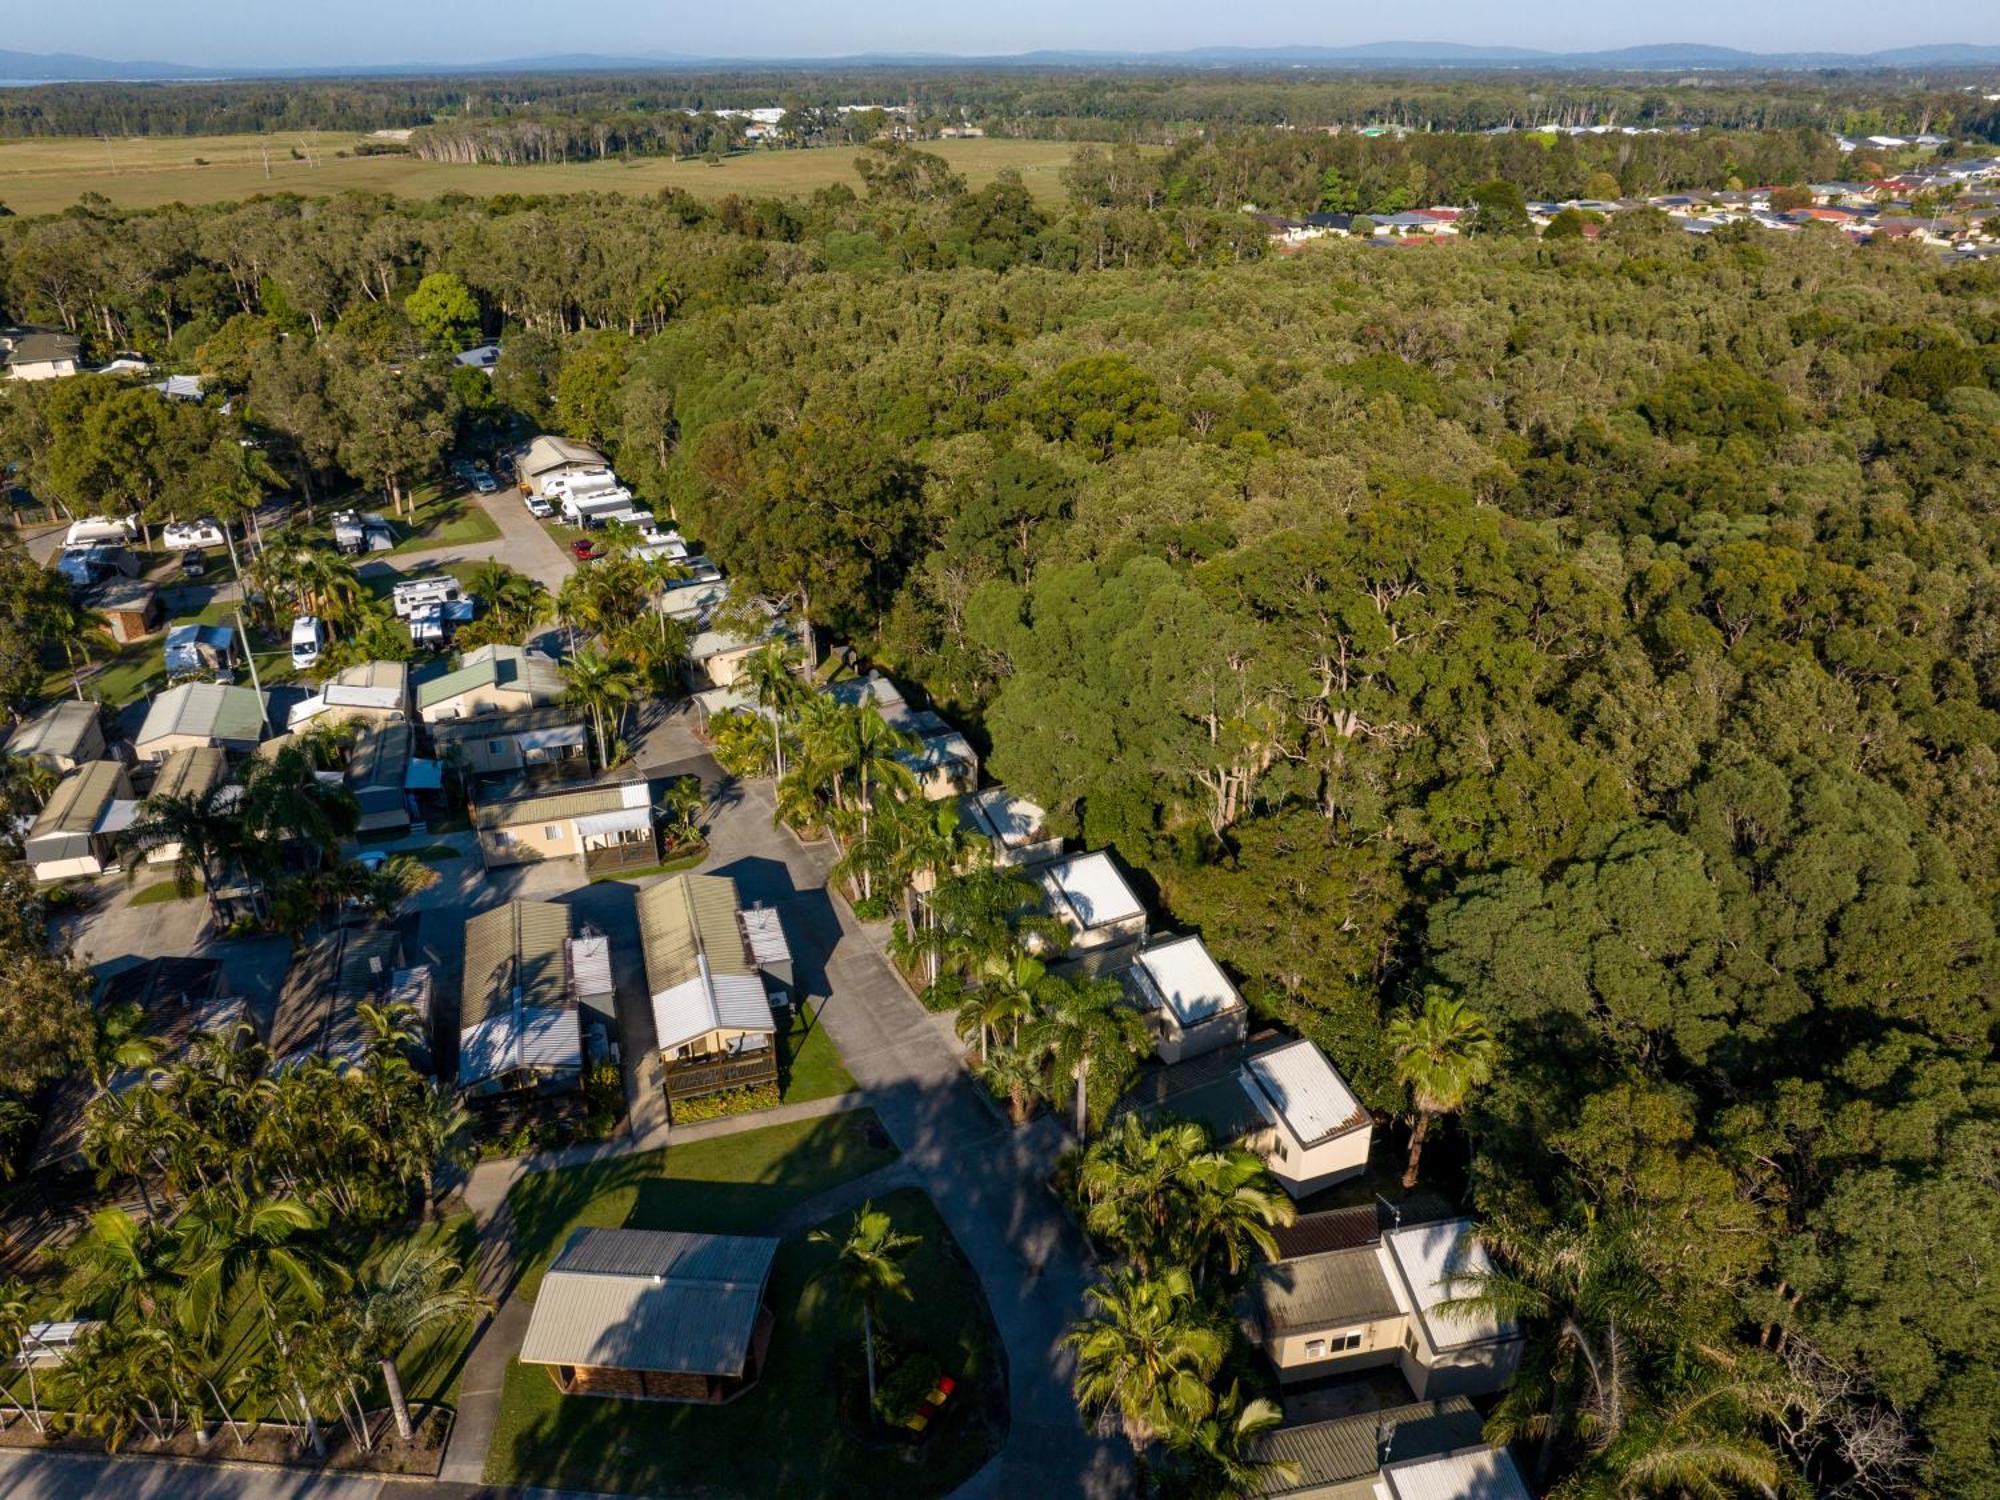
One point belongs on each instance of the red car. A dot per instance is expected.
(585, 550)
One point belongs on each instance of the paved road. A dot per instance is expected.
(989, 1182)
(523, 544)
(71, 1476)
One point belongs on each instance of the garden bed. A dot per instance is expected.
(275, 1444)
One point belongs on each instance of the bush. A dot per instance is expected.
(902, 1390)
(721, 1106)
(871, 909)
(945, 994)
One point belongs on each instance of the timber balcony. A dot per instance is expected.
(639, 854)
(693, 1077)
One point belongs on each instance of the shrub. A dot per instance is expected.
(722, 1105)
(901, 1391)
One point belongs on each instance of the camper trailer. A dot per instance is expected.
(361, 531)
(429, 591)
(100, 530)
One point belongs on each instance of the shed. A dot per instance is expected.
(129, 607)
(764, 936)
(658, 1314)
(1088, 895)
(62, 737)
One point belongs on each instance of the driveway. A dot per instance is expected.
(522, 545)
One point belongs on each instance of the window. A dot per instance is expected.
(551, 833)
(493, 746)
(1315, 1348)
(1410, 1340)
(1335, 1343)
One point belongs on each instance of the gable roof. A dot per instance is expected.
(38, 348)
(57, 731)
(189, 772)
(645, 1299)
(516, 1009)
(1306, 1091)
(501, 725)
(79, 802)
(556, 806)
(551, 452)
(368, 684)
(699, 970)
(1354, 1447)
(206, 710)
(513, 669)
(1474, 1473)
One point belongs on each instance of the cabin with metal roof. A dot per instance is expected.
(192, 772)
(1190, 1005)
(1088, 895)
(657, 1315)
(517, 1010)
(608, 826)
(382, 771)
(76, 833)
(62, 737)
(369, 692)
(319, 1008)
(494, 679)
(228, 717)
(1319, 1132)
(711, 1016)
(550, 742)
(1014, 828)
(1342, 1459)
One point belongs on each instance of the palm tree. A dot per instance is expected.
(1224, 1455)
(202, 828)
(1146, 1354)
(515, 600)
(1013, 1074)
(1231, 1206)
(1131, 1182)
(1696, 1439)
(684, 800)
(1004, 999)
(603, 685)
(868, 748)
(125, 1265)
(774, 682)
(866, 1265)
(240, 1243)
(15, 1321)
(284, 801)
(415, 1289)
(1442, 1054)
(437, 1132)
(663, 573)
(1083, 1021)
(118, 1043)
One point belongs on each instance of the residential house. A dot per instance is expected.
(484, 358)
(62, 737)
(659, 1315)
(42, 356)
(319, 1008)
(202, 713)
(76, 833)
(694, 602)
(715, 656)
(1352, 1290)
(130, 608)
(549, 458)
(370, 692)
(711, 1016)
(551, 741)
(1343, 1458)
(1318, 1132)
(1476, 1472)
(195, 648)
(1189, 1004)
(497, 679)
(175, 1000)
(608, 827)
(382, 771)
(1088, 895)
(517, 1013)
(1012, 826)
(944, 762)
(189, 772)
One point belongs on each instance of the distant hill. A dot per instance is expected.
(65, 67)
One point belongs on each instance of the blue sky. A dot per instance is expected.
(330, 32)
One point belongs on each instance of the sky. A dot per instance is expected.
(326, 33)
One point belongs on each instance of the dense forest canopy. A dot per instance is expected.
(1144, 104)
(1606, 632)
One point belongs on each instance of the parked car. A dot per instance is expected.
(180, 535)
(484, 482)
(585, 550)
(194, 563)
(308, 640)
(539, 508)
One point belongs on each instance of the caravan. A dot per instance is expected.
(434, 624)
(361, 531)
(99, 530)
(428, 591)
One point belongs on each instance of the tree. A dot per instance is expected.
(16, 1317)
(444, 309)
(1104, 403)
(1147, 1355)
(415, 1289)
(778, 691)
(1223, 1454)
(398, 422)
(602, 685)
(46, 1024)
(203, 830)
(1498, 207)
(866, 1266)
(1084, 1024)
(1442, 1053)
(1004, 1000)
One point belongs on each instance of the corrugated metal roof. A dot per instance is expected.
(1434, 1261)
(1187, 980)
(1477, 1473)
(1011, 821)
(60, 730)
(189, 772)
(515, 951)
(550, 809)
(636, 1299)
(502, 726)
(1330, 1229)
(550, 452)
(80, 799)
(1307, 1091)
(765, 934)
(1349, 1448)
(206, 710)
(709, 1002)
(590, 966)
(684, 919)
(538, 1040)
(513, 669)
(380, 759)
(1339, 1289)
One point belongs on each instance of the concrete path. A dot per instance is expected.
(33, 1475)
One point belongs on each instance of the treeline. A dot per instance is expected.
(517, 141)
(1147, 105)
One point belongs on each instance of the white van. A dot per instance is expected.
(96, 530)
(412, 594)
(308, 640)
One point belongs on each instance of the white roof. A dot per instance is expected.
(1013, 820)
(1089, 887)
(1306, 1090)
(1431, 1262)
(590, 965)
(693, 600)
(766, 936)
(624, 820)
(709, 1002)
(1188, 981)
(520, 1037)
(1469, 1474)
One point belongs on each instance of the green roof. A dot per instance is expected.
(1350, 1448)
(1337, 1289)
(550, 809)
(206, 710)
(511, 668)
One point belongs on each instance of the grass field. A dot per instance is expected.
(45, 176)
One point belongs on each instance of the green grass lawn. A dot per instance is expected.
(809, 1065)
(785, 1435)
(443, 520)
(159, 893)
